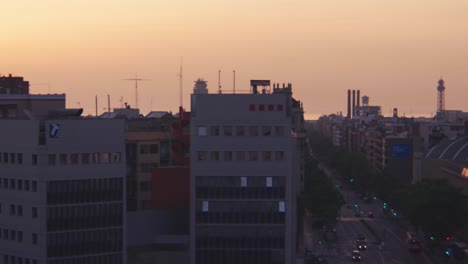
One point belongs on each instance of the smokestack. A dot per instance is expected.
(96, 106)
(349, 104)
(354, 103)
(358, 101)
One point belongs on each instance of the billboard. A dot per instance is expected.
(401, 150)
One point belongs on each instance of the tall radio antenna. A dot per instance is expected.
(219, 81)
(180, 83)
(136, 79)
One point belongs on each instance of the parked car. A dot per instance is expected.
(356, 255)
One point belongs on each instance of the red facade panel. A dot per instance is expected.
(170, 188)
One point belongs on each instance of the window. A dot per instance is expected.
(105, 157)
(227, 130)
(74, 158)
(261, 107)
(96, 158)
(214, 155)
(12, 209)
(34, 186)
(269, 182)
(214, 131)
(205, 206)
(5, 157)
(279, 107)
(266, 155)
(240, 131)
(252, 107)
(34, 238)
(243, 181)
(20, 210)
(145, 186)
(201, 155)
(34, 159)
(34, 212)
(20, 236)
(279, 131)
(51, 159)
(12, 158)
(144, 148)
(5, 183)
(253, 131)
(153, 148)
(266, 131)
(85, 158)
(19, 157)
(117, 158)
(26, 185)
(271, 107)
(12, 184)
(227, 155)
(12, 234)
(63, 159)
(281, 207)
(253, 155)
(240, 155)
(202, 131)
(279, 155)
(5, 234)
(20, 185)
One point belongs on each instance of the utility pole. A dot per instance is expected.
(136, 79)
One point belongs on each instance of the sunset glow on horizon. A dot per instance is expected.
(392, 51)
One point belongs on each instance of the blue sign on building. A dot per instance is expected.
(401, 150)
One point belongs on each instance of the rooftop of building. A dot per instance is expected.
(455, 150)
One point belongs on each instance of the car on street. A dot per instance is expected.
(356, 255)
(361, 245)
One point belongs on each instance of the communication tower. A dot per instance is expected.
(440, 96)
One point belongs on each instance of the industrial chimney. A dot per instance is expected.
(354, 103)
(358, 103)
(349, 104)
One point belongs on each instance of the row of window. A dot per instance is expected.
(259, 206)
(240, 155)
(241, 131)
(17, 210)
(84, 242)
(84, 217)
(244, 256)
(65, 158)
(240, 193)
(263, 107)
(10, 259)
(84, 191)
(11, 158)
(240, 181)
(239, 218)
(18, 184)
(101, 259)
(15, 235)
(84, 158)
(240, 242)
(149, 148)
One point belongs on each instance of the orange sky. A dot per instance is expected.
(393, 51)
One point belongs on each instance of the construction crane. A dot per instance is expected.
(136, 79)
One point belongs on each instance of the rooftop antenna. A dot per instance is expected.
(219, 81)
(234, 81)
(180, 83)
(121, 101)
(136, 79)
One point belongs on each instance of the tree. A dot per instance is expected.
(435, 205)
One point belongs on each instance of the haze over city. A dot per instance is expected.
(393, 51)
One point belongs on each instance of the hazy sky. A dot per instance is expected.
(393, 51)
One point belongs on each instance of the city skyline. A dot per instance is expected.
(392, 52)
